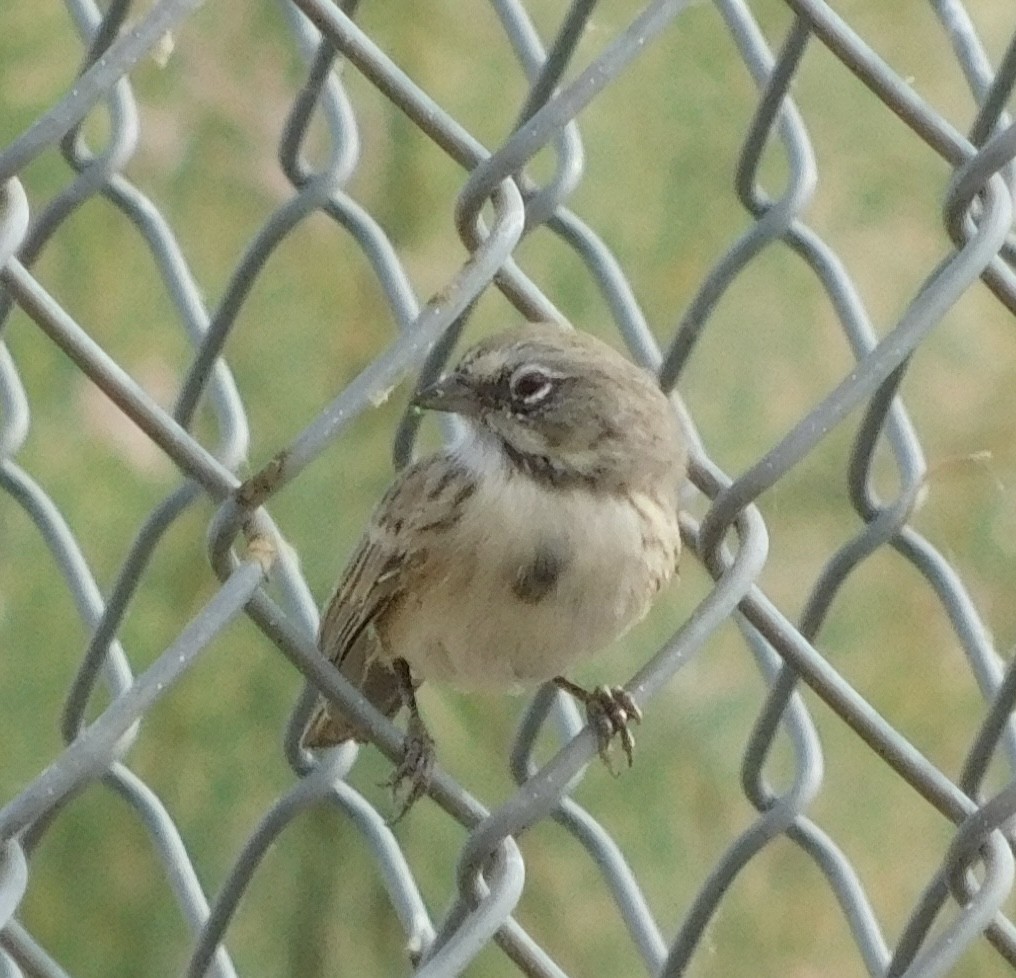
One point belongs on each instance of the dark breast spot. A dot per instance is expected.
(537, 578)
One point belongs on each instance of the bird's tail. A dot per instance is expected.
(327, 726)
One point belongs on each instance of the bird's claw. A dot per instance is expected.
(415, 769)
(610, 711)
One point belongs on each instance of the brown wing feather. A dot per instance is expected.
(375, 580)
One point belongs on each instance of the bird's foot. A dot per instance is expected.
(610, 711)
(411, 778)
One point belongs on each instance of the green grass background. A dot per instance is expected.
(661, 147)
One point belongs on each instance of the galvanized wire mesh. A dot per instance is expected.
(961, 906)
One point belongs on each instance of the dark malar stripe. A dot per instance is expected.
(541, 469)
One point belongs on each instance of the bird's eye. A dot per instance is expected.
(530, 386)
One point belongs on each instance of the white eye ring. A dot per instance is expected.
(530, 385)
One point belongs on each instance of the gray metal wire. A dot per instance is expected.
(499, 204)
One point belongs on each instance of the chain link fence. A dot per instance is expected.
(72, 172)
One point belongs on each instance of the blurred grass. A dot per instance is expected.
(661, 147)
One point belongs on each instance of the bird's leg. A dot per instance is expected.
(610, 710)
(417, 764)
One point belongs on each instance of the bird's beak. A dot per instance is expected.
(450, 393)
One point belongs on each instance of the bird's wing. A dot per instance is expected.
(395, 546)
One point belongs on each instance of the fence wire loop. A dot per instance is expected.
(963, 906)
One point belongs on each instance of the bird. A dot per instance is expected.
(534, 540)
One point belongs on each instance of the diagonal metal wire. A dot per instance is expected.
(257, 576)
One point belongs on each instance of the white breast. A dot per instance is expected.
(470, 629)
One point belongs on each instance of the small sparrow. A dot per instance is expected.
(502, 560)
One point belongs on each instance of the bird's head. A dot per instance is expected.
(564, 407)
